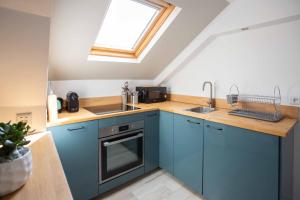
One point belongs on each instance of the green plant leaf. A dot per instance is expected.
(12, 136)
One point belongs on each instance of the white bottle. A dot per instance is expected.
(52, 107)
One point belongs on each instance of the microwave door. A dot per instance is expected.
(154, 95)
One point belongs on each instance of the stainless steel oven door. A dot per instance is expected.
(120, 154)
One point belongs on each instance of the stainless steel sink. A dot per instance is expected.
(202, 110)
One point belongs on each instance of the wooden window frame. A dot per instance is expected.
(160, 19)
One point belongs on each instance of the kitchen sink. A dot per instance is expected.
(202, 110)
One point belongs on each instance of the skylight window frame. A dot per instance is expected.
(165, 10)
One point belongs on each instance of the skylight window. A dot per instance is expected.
(124, 24)
(129, 26)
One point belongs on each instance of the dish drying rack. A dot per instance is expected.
(245, 101)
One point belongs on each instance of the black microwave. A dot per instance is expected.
(152, 94)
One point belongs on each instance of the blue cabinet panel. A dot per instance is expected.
(151, 141)
(77, 145)
(239, 164)
(188, 151)
(166, 139)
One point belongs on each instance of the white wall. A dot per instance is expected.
(95, 88)
(24, 42)
(255, 60)
(256, 14)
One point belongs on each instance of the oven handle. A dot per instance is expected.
(106, 144)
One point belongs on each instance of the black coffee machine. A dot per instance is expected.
(72, 102)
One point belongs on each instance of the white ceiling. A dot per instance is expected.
(75, 24)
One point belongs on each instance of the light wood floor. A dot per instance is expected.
(157, 186)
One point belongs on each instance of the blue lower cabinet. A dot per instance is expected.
(151, 141)
(188, 151)
(166, 139)
(239, 164)
(77, 146)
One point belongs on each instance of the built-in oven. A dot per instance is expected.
(121, 149)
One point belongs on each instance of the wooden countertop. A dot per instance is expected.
(48, 181)
(281, 128)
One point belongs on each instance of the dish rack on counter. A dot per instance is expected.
(248, 102)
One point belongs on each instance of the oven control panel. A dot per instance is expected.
(121, 128)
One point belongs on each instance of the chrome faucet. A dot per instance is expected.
(210, 102)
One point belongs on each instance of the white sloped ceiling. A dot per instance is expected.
(75, 24)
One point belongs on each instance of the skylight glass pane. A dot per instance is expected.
(125, 23)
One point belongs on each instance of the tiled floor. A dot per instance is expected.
(157, 186)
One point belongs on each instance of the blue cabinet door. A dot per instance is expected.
(151, 140)
(166, 139)
(239, 164)
(77, 146)
(188, 151)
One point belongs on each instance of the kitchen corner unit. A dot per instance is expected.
(215, 159)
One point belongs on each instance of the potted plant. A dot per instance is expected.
(15, 159)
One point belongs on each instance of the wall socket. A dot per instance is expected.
(24, 117)
(295, 100)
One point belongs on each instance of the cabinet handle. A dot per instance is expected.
(213, 127)
(76, 129)
(189, 121)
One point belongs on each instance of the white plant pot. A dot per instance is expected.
(14, 174)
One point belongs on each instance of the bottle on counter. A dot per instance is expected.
(52, 106)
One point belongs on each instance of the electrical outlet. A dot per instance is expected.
(295, 100)
(24, 117)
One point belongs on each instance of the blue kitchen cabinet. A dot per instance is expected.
(188, 151)
(166, 141)
(151, 141)
(239, 164)
(77, 146)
